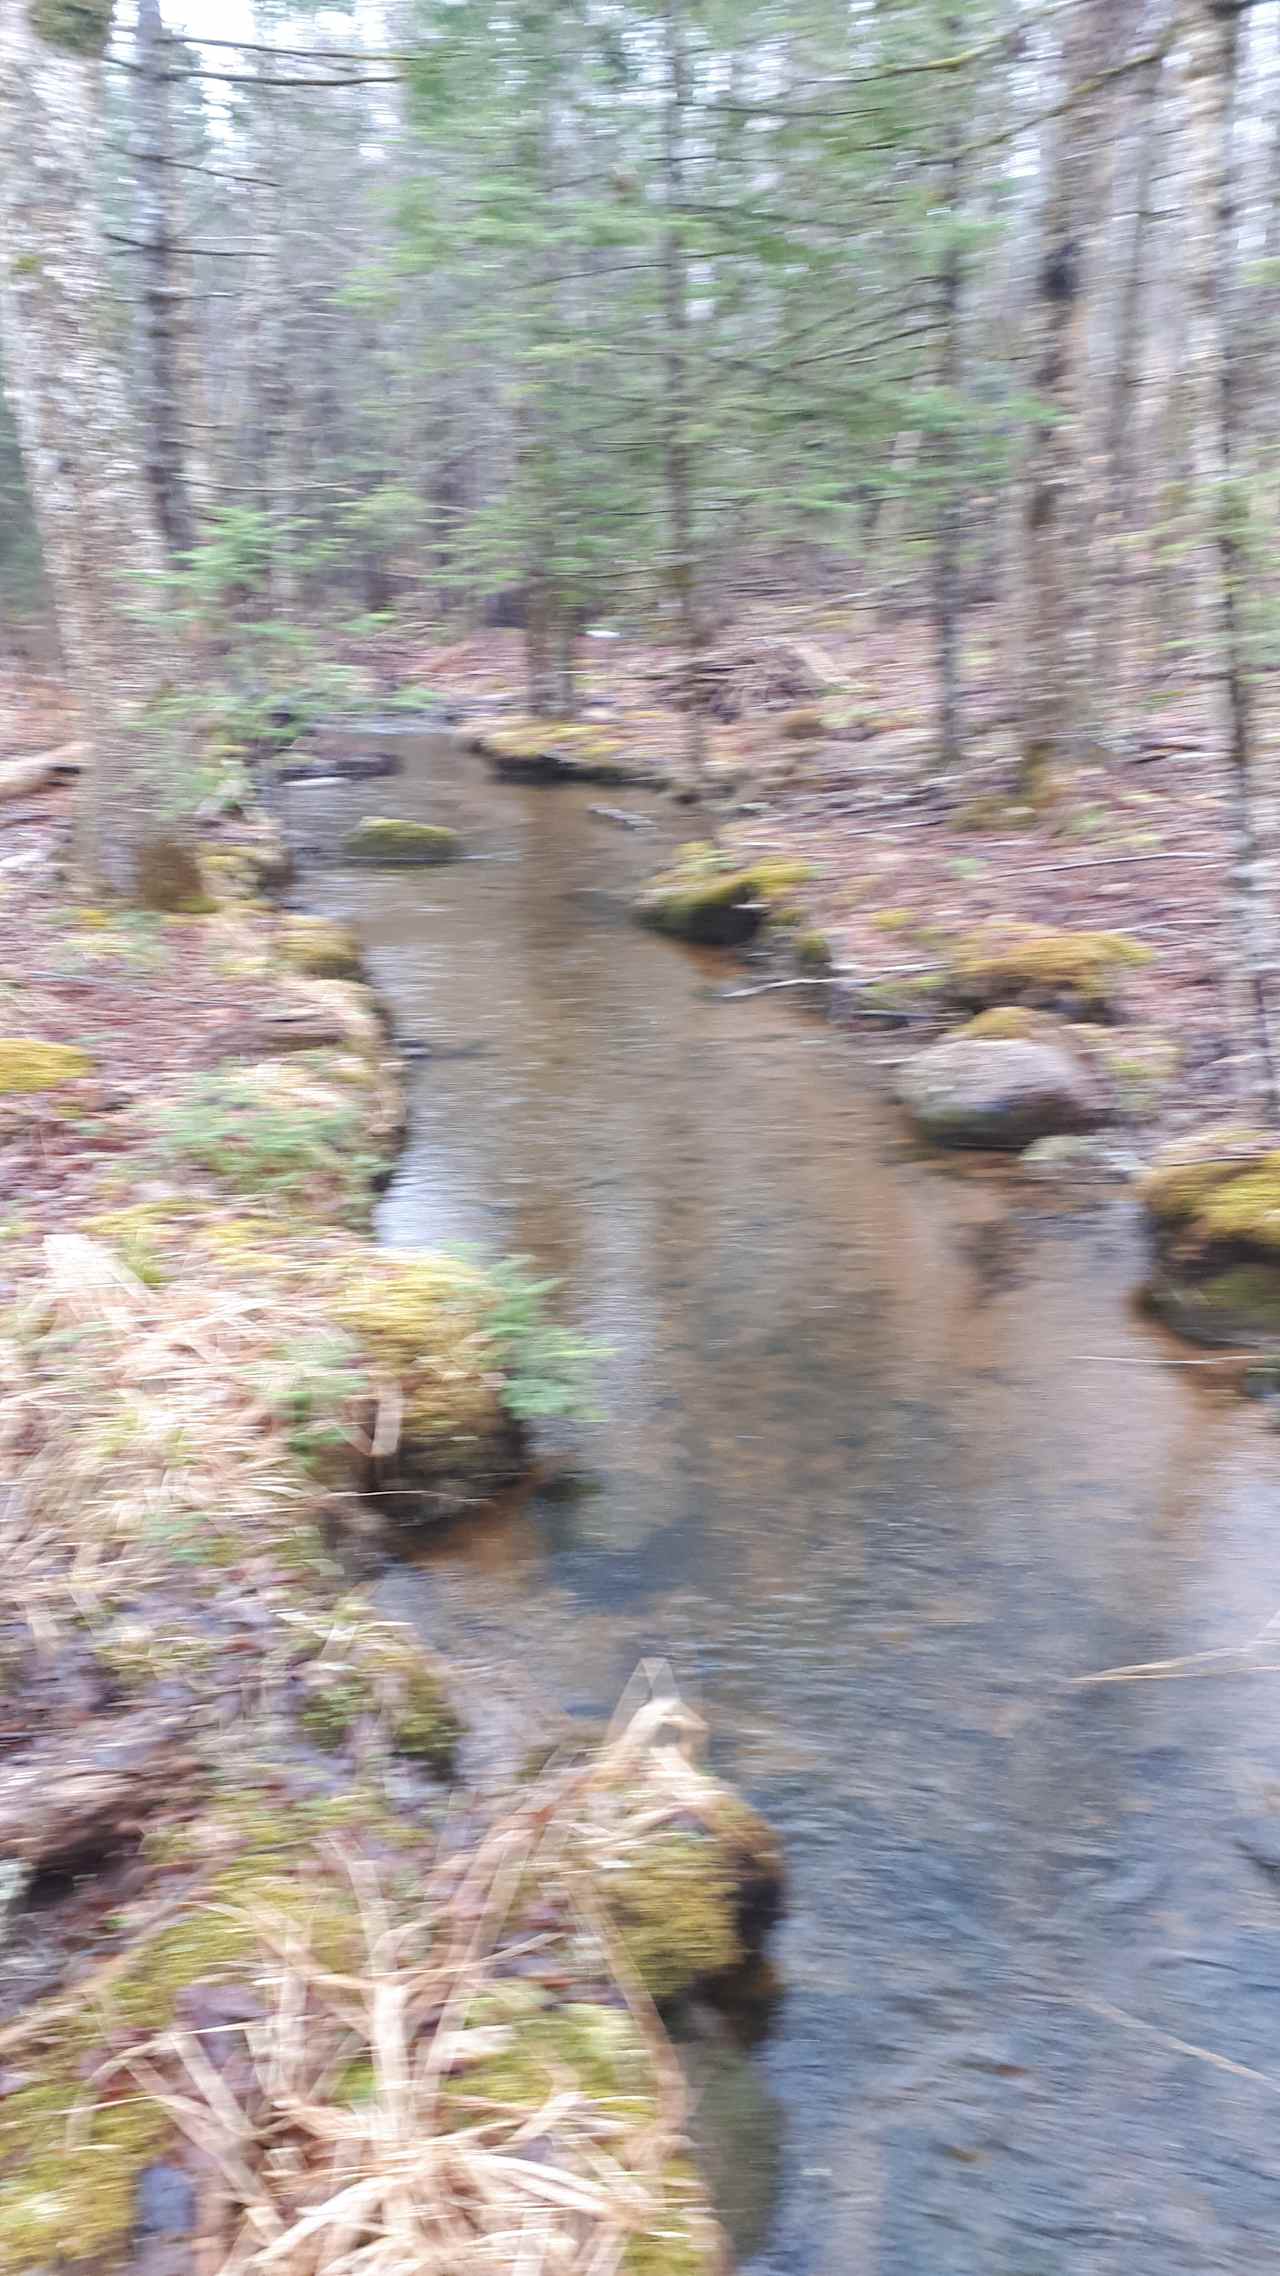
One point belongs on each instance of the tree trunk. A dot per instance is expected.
(159, 287)
(1213, 52)
(1116, 625)
(1055, 704)
(948, 512)
(678, 450)
(79, 445)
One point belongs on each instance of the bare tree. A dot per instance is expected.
(160, 290)
(80, 447)
(1213, 60)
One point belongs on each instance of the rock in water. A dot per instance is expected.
(972, 1091)
(389, 843)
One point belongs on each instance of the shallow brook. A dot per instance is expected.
(884, 1462)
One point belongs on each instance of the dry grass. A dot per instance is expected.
(435, 2168)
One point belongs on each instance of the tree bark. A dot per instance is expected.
(678, 449)
(1213, 54)
(1055, 702)
(79, 445)
(159, 287)
(947, 531)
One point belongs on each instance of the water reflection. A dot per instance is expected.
(884, 1463)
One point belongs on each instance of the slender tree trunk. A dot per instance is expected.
(80, 448)
(159, 286)
(1213, 39)
(1055, 699)
(678, 448)
(948, 513)
(1116, 630)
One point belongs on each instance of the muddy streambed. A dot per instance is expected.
(883, 1463)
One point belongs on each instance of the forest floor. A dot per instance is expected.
(906, 860)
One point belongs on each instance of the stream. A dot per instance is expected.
(884, 1462)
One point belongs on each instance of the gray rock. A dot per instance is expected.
(988, 1091)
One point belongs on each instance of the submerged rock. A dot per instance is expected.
(380, 839)
(998, 1092)
(711, 898)
(1212, 1202)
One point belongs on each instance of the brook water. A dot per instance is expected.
(884, 1463)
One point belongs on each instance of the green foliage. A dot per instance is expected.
(312, 1384)
(546, 1365)
(227, 1128)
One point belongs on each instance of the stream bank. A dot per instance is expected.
(268, 1978)
(887, 1465)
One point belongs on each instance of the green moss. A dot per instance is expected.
(891, 920)
(1006, 963)
(551, 749)
(675, 1907)
(319, 948)
(27, 1065)
(709, 898)
(1184, 1176)
(379, 839)
(80, 27)
(382, 1672)
(424, 1324)
(67, 2201)
(812, 951)
(1245, 1209)
(1008, 1023)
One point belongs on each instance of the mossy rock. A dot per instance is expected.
(377, 1673)
(168, 878)
(27, 1065)
(802, 725)
(386, 843)
(564, 750)
(718, 902)
(424, 1324)
(1078, 973)
(1212, 1200)
(695, 1900)
(319, 948)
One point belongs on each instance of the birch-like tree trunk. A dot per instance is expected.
(160, 290)
(1116, 616)
(1213, 53)
(79, 444)
(1055, 697)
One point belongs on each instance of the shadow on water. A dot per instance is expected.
(884, 1462)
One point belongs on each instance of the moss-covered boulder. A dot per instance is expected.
(426, 1328)
(560, 750)
(375, 1674)
(1212, 1203)
(318, 947)
(1080, 974)
(389, 844)
(1000, 1092)
(715, 898)
(28, 1065)
(169, 879)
